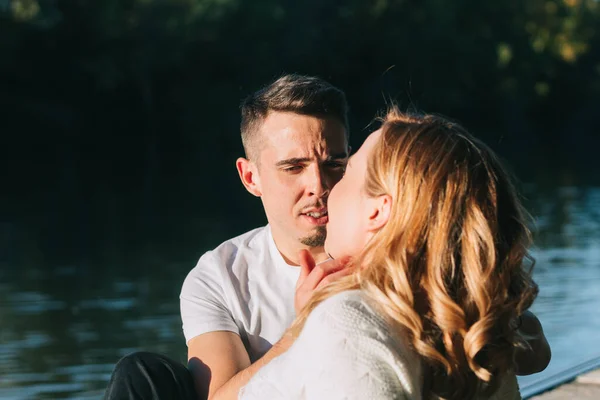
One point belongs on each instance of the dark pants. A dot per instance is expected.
(150, 376)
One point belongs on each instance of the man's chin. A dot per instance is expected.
(316, 238)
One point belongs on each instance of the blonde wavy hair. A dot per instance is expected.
(448, 265)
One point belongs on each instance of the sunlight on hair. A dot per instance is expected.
(447, 266)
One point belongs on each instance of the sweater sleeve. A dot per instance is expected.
(344, 352)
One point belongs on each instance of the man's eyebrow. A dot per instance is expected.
(338, 156)
(292, 161)
(300, 160)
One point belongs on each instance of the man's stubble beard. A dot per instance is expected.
(317, 239)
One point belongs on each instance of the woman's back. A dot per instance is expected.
(348, 351)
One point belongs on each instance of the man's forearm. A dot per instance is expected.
(230, 390)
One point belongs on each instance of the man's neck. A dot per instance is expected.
(291, 251)
(318, 254)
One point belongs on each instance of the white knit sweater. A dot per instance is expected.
(346, 351)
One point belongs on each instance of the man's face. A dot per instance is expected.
(301, 158)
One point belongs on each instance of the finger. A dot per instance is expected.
(323, 270)
(307, 264)
(335, 276)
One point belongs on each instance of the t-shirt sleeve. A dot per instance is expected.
(338, 355)
(202, 300)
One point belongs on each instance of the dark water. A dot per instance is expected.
(62, 328)
(568, 272)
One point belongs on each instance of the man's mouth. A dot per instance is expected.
(316, 214)
(316, 217)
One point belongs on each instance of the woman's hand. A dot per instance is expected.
(313, 276)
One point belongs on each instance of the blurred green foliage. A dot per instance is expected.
(124, 114)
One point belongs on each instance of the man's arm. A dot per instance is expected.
(536, 358)
(213, 358)
(221, 366)
(219, 361)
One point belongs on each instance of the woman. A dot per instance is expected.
(438, 238)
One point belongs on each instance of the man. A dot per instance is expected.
(238, 302)
(239, 299)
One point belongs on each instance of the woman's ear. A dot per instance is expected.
(249, 176)
(381, 207)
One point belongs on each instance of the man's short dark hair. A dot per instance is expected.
(306, 95)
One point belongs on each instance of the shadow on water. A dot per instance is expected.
(64, 326)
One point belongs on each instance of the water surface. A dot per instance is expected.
(64, 326)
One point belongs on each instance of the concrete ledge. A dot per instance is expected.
(581, 374)
(584, 387)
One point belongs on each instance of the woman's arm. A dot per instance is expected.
(343, 352)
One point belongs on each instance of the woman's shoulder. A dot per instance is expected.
(349, 310)
(348, 297)
(346, 301)
(355, 316)
(351, 331)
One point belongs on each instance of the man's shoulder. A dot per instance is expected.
(254, 238)
(215, 265)
(244, 246)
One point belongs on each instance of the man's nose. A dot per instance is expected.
(318, 184)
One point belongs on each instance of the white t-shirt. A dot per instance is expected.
(347, 351)
(243, 286)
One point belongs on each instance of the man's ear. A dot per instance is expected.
(248, 173)
(380, 212)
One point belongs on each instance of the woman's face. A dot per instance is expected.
(350, 210)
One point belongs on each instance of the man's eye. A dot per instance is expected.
(340, 165)
(293, 169)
